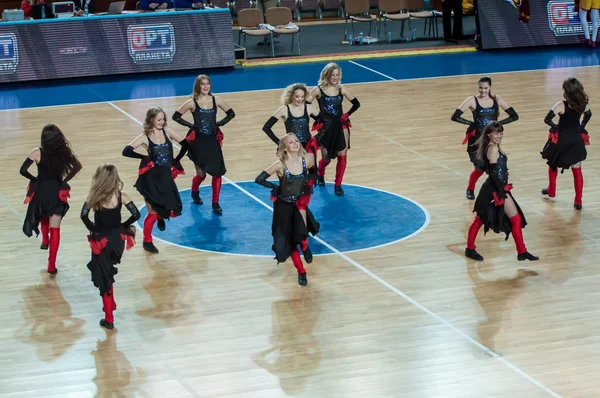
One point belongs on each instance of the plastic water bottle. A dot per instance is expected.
(86, 11)
(351, 39)
(413, 36)
(43, 12)
(389, 37)
(360, 38)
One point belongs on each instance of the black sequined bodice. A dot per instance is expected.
(108, 218)
(205, 120)
(298, 125)
(569, 122)
(161, 154)
(483, 116)
(291, 186)
(501, 169)
(331, 105)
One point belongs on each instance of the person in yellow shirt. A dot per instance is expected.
(592, 7)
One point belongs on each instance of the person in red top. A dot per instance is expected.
(27, 6)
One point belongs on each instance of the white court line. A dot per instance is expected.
(281, 88)
(402, 294)
(372, 70)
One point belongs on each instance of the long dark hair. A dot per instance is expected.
(484, 140)
(56, 153)
(575, 95)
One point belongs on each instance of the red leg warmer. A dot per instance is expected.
(475, 175)
(578, 182)
(148, 225)
(322, 166)
(45, 227)
(196, 181)
(552, 174)
(54, 243)
(298, 262)
(473, 230)
(340, 168)
(517, 233)
(216, 188)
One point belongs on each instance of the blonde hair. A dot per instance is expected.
(105, 184)
(198, 85)
(326, 74)
(282, 154)
(288, 93)
(150, 116)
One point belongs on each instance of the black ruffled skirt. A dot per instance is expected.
(157, 186)
(569, 150)
(492, 216)
(205, 151)
(44, 198)
(107, 251)
(289, 230)
(331, 135)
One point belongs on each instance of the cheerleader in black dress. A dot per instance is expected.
(108, 235)
(157, 173)
(48, 192)
(566, 143)
(296, 114)
(334, 125)
(495, 205)
(288, 228)
(205, 138)
(485, 108)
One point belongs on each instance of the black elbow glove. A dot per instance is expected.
(177, 116)
(28, 162)
(355, 106)
(587, 115)
(548, 120)
(185, 146)
(85, 217)
(512, 116)
(456, 117)
(262, 180)
(268, 128)
(230, 115)
(135, 214)
(130, 153)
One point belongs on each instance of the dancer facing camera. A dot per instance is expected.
(288, 227)
(156, 181)
(495, 205)
(485, 107)
(205, 138)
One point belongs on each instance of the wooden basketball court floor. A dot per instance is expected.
(412, 319)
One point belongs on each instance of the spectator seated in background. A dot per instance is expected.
(188, 4)
(27, 6)
(153, 5)
(80, 6)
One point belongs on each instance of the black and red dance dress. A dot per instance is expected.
(47, 196)
(156, 183)
(566, 147)
(301, 127)
(489, 207)
(481, 118)
(108, 239)
(288, 227)
(205, 148)
(330, 126)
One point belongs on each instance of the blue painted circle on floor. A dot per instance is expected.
(362, 219)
